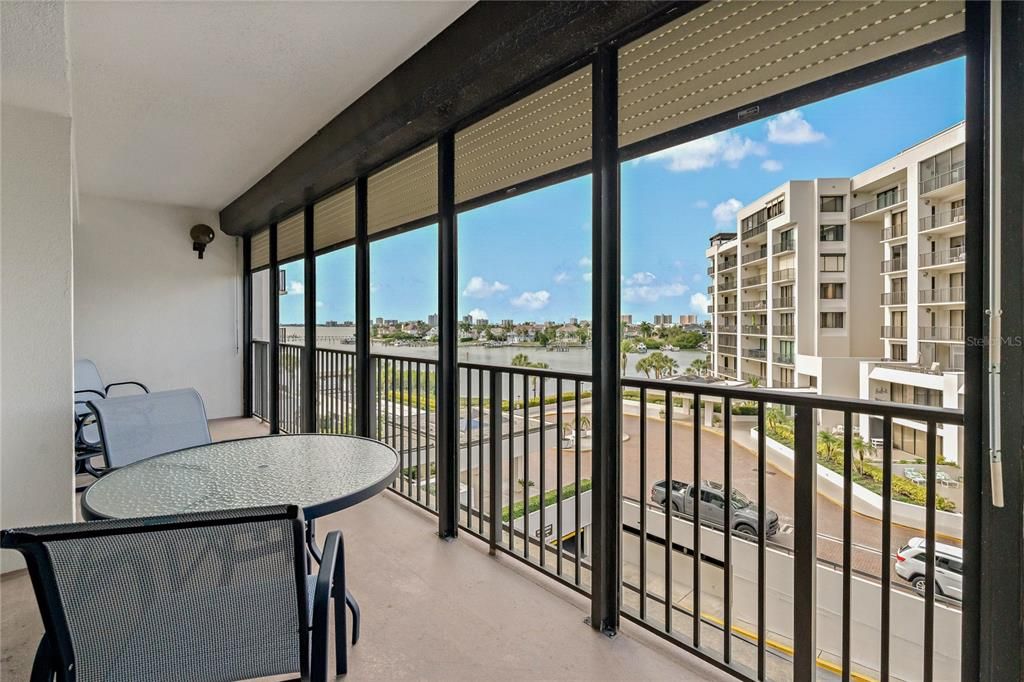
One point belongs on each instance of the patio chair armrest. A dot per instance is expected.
(127, 383)
(331, 574)
(92, 393)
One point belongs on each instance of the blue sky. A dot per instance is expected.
(527, 257)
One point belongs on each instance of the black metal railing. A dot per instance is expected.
(881, 201)
(404, 397)
(289, 400)
(335, 391)
(955, 174)
(261, 379)
(725, 604)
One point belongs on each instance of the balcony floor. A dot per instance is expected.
(435, 610)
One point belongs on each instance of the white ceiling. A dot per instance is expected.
(191, 103)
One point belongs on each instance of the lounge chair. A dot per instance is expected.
(89, 386)
(137, 427)
(183, 597)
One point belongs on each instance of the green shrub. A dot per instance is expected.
(550, 498)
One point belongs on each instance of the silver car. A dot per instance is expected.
(911, 565)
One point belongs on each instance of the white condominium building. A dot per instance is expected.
(915, 202)
(851, 287)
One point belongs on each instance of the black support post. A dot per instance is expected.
(805, 483)
(246, 326)
(309, 408)
(447, 369)
(607, 395)
(365, 420)
(274, 350)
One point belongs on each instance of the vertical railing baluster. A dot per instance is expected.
(420, 472)
(576, 483)
(727, 531)
(805, 481)
(697, 500)
(469, 446)
(542, 544)
(494, 419)
(669, 491)
(511, 461)
(558, 476)
(526, 466)
(480, 449)
(762, 504)
(643, 503)
(929, 538)
(886, 544)
(847, 540)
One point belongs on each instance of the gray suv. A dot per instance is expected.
(712, 508)
(912, 562)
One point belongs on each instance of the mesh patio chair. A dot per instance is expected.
(136, 427)
(89, 386)
(184, 598)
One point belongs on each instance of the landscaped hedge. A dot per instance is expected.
(550, 498)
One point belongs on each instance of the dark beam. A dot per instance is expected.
(447, 346)
(365, 420)
(487, 54)
(309, 424)
(246, 327)
(274, 349)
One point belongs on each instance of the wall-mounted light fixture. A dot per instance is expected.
(201, 236)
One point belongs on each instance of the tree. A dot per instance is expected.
(646, 366)
(585, 422)
(754, 382)
(829, 444)
(645, 329)
(521, 360)
(665, 365)
(627, 346)
(862, 448)
(699, 366)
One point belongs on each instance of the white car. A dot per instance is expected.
(911, 563)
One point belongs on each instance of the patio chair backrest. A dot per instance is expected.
(210, 596)
(87, 378)
(138, 427)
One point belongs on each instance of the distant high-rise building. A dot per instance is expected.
(687, 319)
(379, 321)
(662, 320)
(573, 320)
(432, 319)
(467, 319)
(507, 324)
(627, 319)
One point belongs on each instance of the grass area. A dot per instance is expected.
(739, 408)
(550, 497)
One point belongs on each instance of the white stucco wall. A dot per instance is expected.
(36, 485)
(148, 309)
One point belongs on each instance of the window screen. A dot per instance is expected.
(403, 192)
(729, 53)
(334, 219)
(291, 236)
(259, 250)
(544, 132)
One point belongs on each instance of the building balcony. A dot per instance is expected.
(755, 353)
(727, 339)
(783, 358)
(879, 203)
(756, 230)
(784, 275)
(754, 305)
(781, 247)
(727, 372)
(755, 329)
(891, 332)
(785, 302)
(947, 257)
(895, 232)
(727, 283)
(894, 265)
(711, 309)
(727, 328)
(783, 330)
(943, 221)
(727, 264)
(954, 176)
(939, 296)
(894, 298)
(953, 334)
(711, 289)
(755, 280)
(727, 349)
(756, 255)
(759, 379)
(711, 269)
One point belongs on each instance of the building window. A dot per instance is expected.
(833, 320)
(831, 203)
(833, 263)
(899, 351)
(775, 208)
(887, 198)
(832, 290)
(831, 233)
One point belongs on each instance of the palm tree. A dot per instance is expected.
(699, 366)
(829, 444)
(584, 422)
(521, 360)
(754, 382)
(862, 448)
(645, 329)
(646, 365)
(533, 379)
(627, 346)
(663, 365)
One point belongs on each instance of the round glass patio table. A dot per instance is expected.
(321, 474)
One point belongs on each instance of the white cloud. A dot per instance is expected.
(771, 165)
(532, 300)
(588, 277)
(701, 203)
(725, 212)
(479, 287)
(791, 127)
(726, 147)
(700, 302)
(697, 277)
(641, 278)
(296, 288)
(584, 262)
(562, 277)
(643, 286)
(478, 314)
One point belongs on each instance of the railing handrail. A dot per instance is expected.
(874, 204)
(953, 215)
(875, 408)
(540, 373)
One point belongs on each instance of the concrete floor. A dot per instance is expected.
(433, 609)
